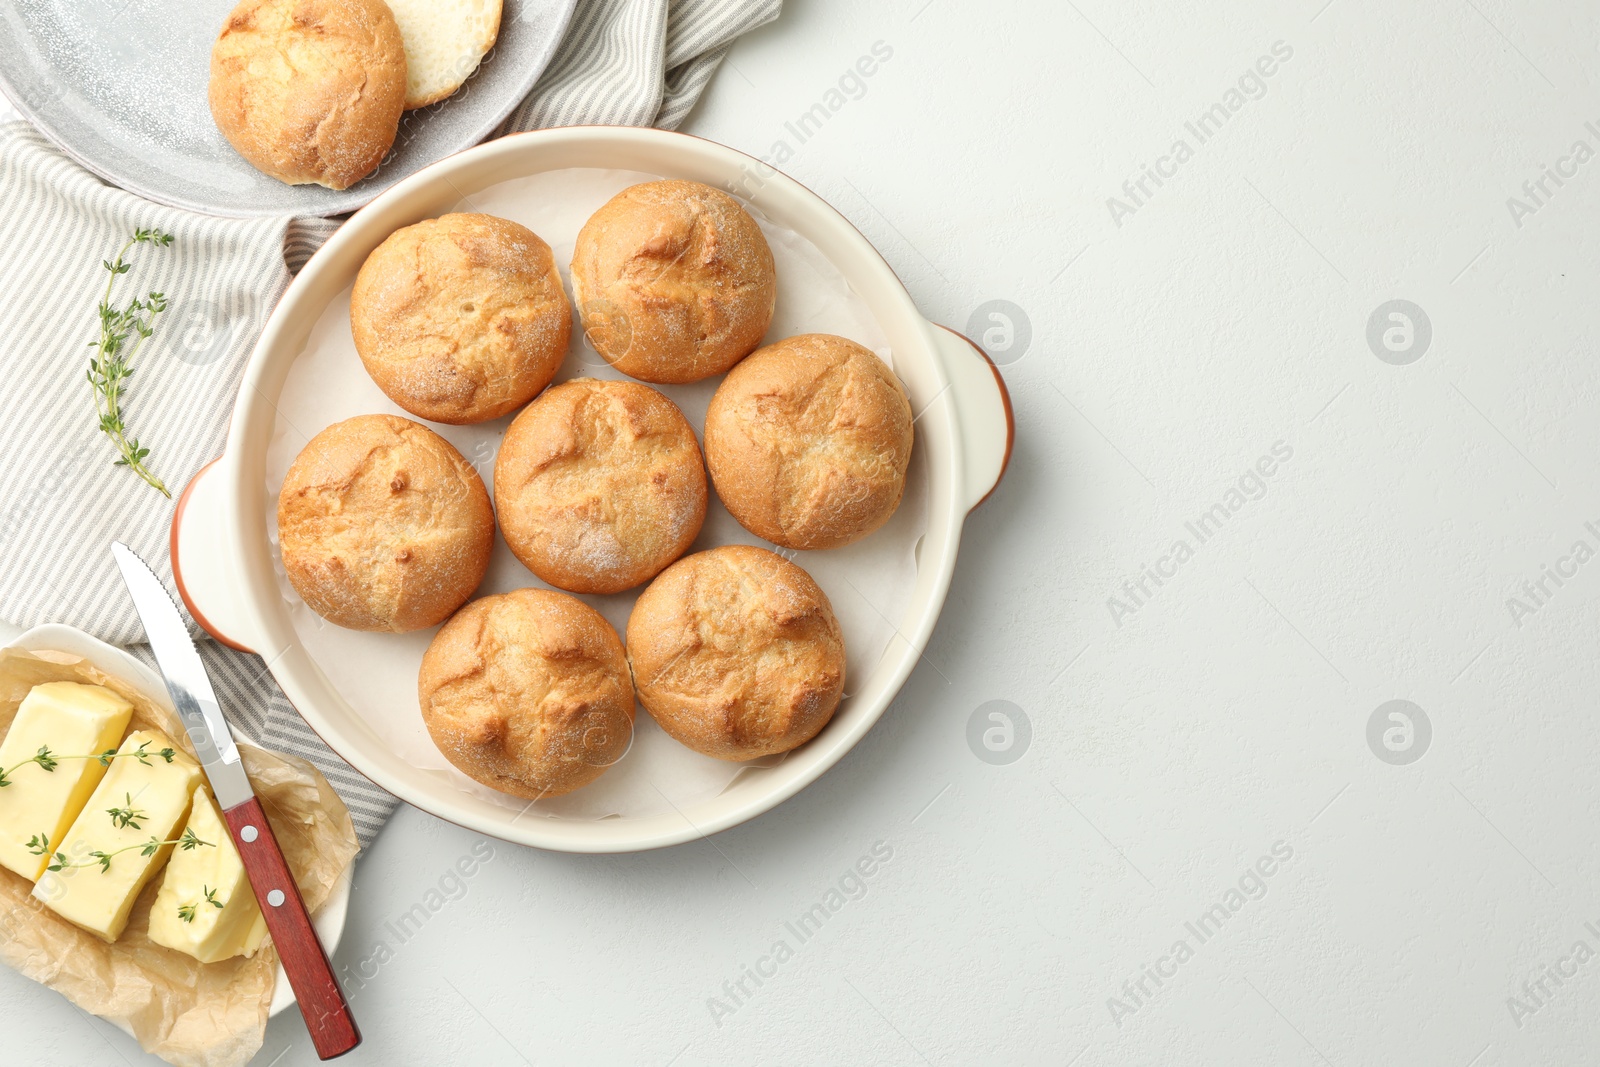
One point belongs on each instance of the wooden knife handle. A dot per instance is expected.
(333, 1029)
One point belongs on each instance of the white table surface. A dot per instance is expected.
(1176, 739)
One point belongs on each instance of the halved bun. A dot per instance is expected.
(445, 42)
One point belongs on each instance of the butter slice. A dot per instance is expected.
(71, 719)
(214, 934)
(100, 900)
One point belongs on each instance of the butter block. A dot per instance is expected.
(70, 719)
(99, 897)
(185, 918)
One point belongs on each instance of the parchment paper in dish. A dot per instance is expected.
(869, 583)
(189, 1013)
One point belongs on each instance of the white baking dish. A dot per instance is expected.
(108, 659)
(224, 561)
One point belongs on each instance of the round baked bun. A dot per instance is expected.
(674, 281)
(382, 525)
(599, 485)
(309, 90)
(808, 441)
(736, 653)
(445, 41)
(528, 692)
(461, 318)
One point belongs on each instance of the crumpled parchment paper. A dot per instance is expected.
(189, 1013)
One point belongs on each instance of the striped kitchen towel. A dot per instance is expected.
(62, 502)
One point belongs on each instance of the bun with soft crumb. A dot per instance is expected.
(445, 42)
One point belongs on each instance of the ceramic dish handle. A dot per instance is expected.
(209, 587)
(983, 407)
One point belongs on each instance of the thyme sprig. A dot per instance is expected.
(123, 818)
(48, 760)
(39, 845)
(109, 367)
(186, 912)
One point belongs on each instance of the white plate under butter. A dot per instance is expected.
(113, 661)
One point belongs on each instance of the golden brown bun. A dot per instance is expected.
(736, 653)
(309, 90)
(461, 318)
(528, 692)
(674, 281)
(383, 525)
(599, 485)
(808, 441)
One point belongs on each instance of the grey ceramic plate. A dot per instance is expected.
(120, 85)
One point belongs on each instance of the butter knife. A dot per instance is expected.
(322, 1003)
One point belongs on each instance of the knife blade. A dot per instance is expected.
(322, 1003)
(187, 680)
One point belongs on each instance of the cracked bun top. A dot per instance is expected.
(736, 653)
(599, 485)
(309, 90)
(462, 318)
(382, 525)
(528, 692)
(808, 441)
(674, 281)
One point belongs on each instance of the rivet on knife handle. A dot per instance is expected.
(333, 1029)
